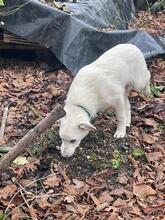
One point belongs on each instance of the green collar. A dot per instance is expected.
(90, 117)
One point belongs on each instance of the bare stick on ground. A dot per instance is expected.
(21, 146)
(3, 124)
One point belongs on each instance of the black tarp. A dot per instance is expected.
(75, 38)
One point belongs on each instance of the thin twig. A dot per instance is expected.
(39, 179)
(3, 123)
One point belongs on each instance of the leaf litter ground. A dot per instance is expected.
(106, 178)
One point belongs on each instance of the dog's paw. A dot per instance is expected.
(119, 134)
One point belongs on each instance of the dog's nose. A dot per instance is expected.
(65, 155)
(66, 151)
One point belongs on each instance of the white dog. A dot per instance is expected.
(105, 82)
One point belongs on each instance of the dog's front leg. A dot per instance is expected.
(121, 117)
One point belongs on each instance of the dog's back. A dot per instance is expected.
(122, 65)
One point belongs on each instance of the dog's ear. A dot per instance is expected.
(87, 126)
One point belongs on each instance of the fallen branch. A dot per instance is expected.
(21, 146)
(3, 123)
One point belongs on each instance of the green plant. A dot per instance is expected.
(137, 152)
(148, 5)
(156, 89)
(1, 2)
(116, 161)
(2, 217)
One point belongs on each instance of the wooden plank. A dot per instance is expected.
(19, 46)
(11, 39)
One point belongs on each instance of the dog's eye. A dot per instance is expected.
(72, 141)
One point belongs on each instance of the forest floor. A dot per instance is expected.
(106, 179)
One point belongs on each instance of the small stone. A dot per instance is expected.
(124, 147)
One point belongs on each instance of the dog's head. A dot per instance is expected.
(73, 128)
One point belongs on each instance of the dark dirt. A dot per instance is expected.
(94, 154)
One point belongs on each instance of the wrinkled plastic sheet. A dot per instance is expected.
(76, 38)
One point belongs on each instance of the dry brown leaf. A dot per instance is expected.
(8, 191)
(120, 202)
(149, 139)
(21, 83)
(161, 148)
(30, 166)
(52, 181)
(134, 162)
(2, 87)
(150, 122)
(143, 190)
(102, 206)
(43, 201)
(111, 209)
(122, 178)
(71, 190)
(156, 204)
(54, 90)
(82, 208)
(71, 208)
(27, 183)
(150, 210)
(135, 210)
(117, 192)
(17, 214)
(7, 203)
(113, 216)
(2, 142)
(105, 196)
(95, 199)
(69, 199)
(155, 156)
(79, 184)
(33, 212)
(13, 115)
(161, 95)
(134, 94)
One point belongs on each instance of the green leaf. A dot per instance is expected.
(1, 2)
(115, 163)
(156, 89)
(137, 152)
(50, 135)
